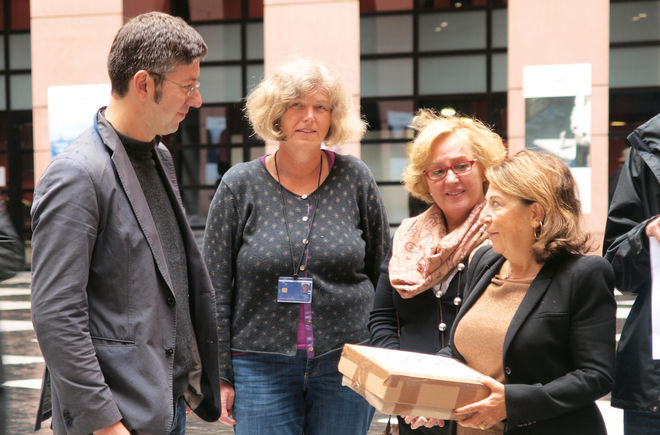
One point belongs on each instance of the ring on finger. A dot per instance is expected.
(483, 425)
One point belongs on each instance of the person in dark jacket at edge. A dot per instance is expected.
(632, 220)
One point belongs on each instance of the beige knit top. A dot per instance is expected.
(480, 333)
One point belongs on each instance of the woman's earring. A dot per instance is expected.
(537, 231)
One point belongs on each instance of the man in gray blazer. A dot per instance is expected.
(121, 300)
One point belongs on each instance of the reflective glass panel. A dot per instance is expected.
(2, 52)
(388, 119)
(221, 125)
(256, 152)
(3, 127)
(386, 161)
(635, 21)
(255, 74)
(452, 31)
(213, 125)
(637, 66)
(255, 40)
(386, 34)
(490, 110)
(4, 175)
(196, 202)
(499, 72)
(386, 77)
(500, 26)
(20, 91)
(223, 40)
(452, 74)
(221, 84)
(19, 51)
(395, 199)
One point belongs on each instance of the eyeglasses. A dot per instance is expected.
(437, 174)
(188, 88)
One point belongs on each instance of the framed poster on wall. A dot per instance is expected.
(558, 117)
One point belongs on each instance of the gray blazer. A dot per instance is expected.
(102, 304)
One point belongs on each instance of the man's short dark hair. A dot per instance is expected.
(155, 42)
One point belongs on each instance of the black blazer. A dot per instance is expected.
(412, 324)
(558, 353)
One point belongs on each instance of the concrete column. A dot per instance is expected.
(70, 44)
(328, 30)
(543, 32)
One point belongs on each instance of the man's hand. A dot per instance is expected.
(114, 429)
(653, 228)
(227, 403)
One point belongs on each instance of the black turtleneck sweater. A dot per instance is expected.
(142, 155)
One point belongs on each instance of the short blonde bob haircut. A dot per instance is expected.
(486, 145)
(532, 177)
(267, 103)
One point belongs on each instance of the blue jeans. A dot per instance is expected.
(179, 426)
(280, 395)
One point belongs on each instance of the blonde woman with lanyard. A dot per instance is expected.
(293, 244)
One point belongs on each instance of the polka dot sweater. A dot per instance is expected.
(246, 249)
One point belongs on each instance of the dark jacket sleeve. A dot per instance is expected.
(222, 239)
(376, 231)
(64, 235)
(626, 245)
(383, 322)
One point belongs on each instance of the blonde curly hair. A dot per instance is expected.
(485, 144)
(268, 102)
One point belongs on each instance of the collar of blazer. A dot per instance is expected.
(134, 192)
(484, 266)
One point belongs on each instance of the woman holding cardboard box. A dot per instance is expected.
(420, 288)
(539, 321)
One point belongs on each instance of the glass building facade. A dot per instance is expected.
(448, 55)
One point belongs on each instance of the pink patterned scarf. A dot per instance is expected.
(424, 254)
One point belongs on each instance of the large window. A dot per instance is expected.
(217, 136)
(634, 70)
(444, 54)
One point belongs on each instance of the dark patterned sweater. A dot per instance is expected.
(246, 249)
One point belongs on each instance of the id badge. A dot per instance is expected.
(294, 290)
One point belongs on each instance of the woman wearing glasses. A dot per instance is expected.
(420, 288)
(540, 319)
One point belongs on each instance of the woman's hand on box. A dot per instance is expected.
(417, 422)
(487, 412)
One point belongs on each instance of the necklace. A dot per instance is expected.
(507, 275)
(299, 267)
(439, 290)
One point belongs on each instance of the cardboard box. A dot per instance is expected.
(410, 383)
